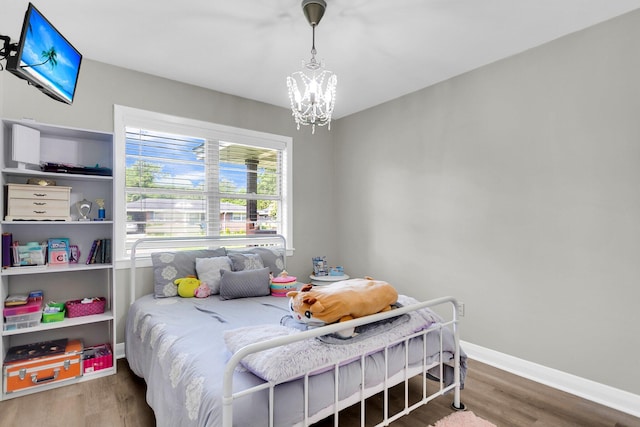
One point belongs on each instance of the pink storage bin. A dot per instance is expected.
(77, 308)
(97, 358)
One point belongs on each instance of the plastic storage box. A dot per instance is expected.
(30, 254)
(32, 306)
(21, 321)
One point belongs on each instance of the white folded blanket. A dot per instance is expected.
(295, 359)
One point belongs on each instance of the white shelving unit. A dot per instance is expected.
(62, 283)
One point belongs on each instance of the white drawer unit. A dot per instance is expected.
(36, 202)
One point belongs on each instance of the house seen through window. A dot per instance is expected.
(195, 185)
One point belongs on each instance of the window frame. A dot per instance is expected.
(124, 117)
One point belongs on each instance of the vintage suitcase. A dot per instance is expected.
(42, 363)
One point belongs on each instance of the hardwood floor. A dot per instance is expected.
(113, 401)
(507, 401)
(502, 398)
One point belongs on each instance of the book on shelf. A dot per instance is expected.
(107, 251)
(100, 252)
(13, 300)
(96, 252)
(91, 251)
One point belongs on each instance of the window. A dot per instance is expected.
(189, 178)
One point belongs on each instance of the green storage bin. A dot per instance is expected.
(53, 317)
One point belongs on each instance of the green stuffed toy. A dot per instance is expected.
(187, 286)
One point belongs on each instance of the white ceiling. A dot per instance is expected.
(379, 49)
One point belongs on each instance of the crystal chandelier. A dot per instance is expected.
(312, 91)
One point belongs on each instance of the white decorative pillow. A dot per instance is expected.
(208, 270)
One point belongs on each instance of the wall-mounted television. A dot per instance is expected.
(45, 58)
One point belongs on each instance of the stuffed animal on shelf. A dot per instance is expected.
(341, 301)
(187, 286)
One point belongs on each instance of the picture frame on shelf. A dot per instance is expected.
(58, 250)
(74, 254)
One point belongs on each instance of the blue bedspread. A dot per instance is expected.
(177, 346)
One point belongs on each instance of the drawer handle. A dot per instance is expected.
(40, 194)
(40, 203)
(36, 380)
(39, 212)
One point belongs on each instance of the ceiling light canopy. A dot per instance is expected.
(312, 91)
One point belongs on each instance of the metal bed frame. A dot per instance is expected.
(403, 376)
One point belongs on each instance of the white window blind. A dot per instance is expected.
(166, 184)
(197, 183)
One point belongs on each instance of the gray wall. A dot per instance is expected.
(515, 188)
(103, 85)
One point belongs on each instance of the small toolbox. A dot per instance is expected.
(38, 364)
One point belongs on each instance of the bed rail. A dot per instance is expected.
(404, 375)
(172, 243)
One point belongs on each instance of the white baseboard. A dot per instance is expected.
(119, 350)
(603, 394)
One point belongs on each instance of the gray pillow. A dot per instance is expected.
(245, 261)
(243, 284)
(271, 257)
(168, 266)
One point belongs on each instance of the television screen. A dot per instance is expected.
(45, 58)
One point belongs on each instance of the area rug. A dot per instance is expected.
(463, 419)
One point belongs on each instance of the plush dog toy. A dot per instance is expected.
(341, 301)
(190, 286)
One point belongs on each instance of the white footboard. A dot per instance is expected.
(409, 370)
